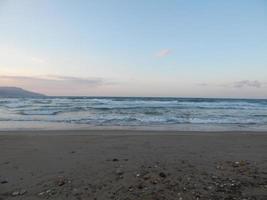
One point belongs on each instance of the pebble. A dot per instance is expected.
(61, 181)
(236, 164)
(239, 163)
(41, 193)
(210, 187)
(48, 191)
(162, 174)
(154, 182)
(119, 171)
(4, 181)
(15, 193)
(21, 192)
(140, 186)
(146, 177)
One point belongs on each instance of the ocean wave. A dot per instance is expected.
(40, 112)
(134, 111)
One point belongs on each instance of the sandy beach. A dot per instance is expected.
(133, 165)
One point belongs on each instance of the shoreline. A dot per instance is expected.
(122, 132)
(42, 126)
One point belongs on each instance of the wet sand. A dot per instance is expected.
(132, 165)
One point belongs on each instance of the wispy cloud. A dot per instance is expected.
(238, 84)
(247, 83)
(56, 85)
(57, 79)
(164, 52)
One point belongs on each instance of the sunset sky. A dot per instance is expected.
(135, 47)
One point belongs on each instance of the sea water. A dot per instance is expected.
(133, 113)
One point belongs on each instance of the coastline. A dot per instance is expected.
(14, 126)
(123, 164)
(124, 132)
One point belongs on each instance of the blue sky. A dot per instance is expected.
(135, 48)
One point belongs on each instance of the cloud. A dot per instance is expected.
(163, 53)
(56, 79)
(71, 79)
(56, 85)
(238, 84)
(247, 83)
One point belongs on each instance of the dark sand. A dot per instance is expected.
(132, 165)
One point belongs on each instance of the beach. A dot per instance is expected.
(124, 164)
(133, 100)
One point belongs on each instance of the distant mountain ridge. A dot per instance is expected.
(15, 92)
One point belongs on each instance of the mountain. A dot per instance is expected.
(15, 92)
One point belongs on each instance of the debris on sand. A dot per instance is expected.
(164, 182)
(241, 163)
(19, 192)
(61, 181)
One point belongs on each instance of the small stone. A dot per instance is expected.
(162, 175)
(15, 193)
(61, 182)
(238, 164)
(4, 181)
(22, 192)
(140, 186)
(119, 171)
(48, 191)
(41, 193)
(146, 177)
(210, 187)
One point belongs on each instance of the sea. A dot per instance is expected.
(138, 113)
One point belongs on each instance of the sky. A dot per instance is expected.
(177, 48)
